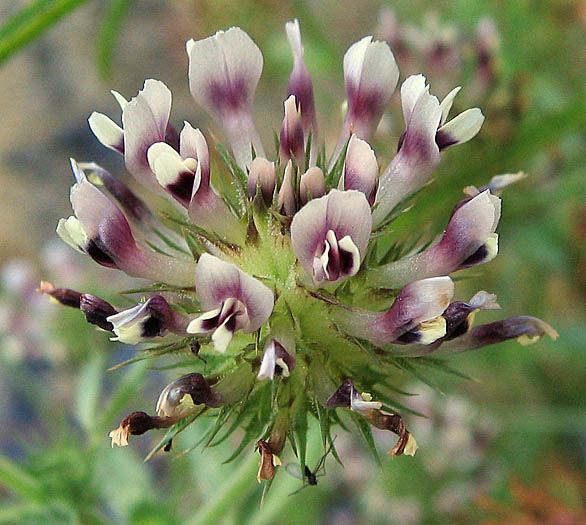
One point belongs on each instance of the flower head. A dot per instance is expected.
(285, 273)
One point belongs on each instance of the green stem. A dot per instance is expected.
(229, 494)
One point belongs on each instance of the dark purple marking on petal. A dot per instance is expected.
(119, 147)
(363, 104)
(151, 327)
(346, 261)
(504, 330)
(122, 193)
(172, 137)
(478, 257)
(182, 188)
(409, 338)
(300, 86)
(341, 397)
(456, 316)
(96, 311)
(292, 144)
(97, 251)
(416, 145)
(401, 140)
(207, 325)
(229, 96)
(444, 140)
(333, 265)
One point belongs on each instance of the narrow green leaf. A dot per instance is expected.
(114, 18)
(157, 287)
(89, 388)
(299, 417)
(18, 480)
(169, 242)
(125, 391)
(366, 432)
(31, 21)
(174, 430)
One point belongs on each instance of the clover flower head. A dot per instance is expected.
(283, 277)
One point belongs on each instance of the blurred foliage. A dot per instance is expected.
(56, 465)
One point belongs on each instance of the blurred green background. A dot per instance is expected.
(506, 447)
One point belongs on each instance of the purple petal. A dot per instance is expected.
(418, 154)
(286, 199)
(145, 119)
(126, 198)
(109, 238)
(299, 81)
(206, 209)
(101, 230)
(217, 280)
(312, 185)
(275, 360)
(188, 141)
(360, 170)
(417, 303)
(291, 140)
(345, 213)
(524, 328)
(460, 129)
(262, 172)
(224, 70)
(153, 318)
(469, 239)
(370, 75)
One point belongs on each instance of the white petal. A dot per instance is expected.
(411, 90)
(120, 99)
(360, 170)
(267, 365)
(221, 338)
(463, 127)
(294, 38)
(196, 325)
(71, 232)
(347, 244)
(107, 131)
(165, 163)
(447, 102)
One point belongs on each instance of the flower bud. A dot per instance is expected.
(311, 185)
(291, 141)
(262, 173)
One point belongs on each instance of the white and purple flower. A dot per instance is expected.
(283, 269)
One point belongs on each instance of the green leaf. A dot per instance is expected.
(114, 17)
(366, 432)
(157, 287)
(234, 169)
(125, 391)
(89, 388)
(32, 21)
(152, 352)
(440, 364)
(174, 430)
(402, 364)
(19, 481)
(22, 513)
(169, 242)
(299, 419)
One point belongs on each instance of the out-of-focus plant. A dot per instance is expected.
(27, 24)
